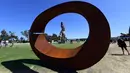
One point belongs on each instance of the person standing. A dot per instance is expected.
(129, 36)
(121, 43)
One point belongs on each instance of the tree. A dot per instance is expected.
(22, 39)
(25, 33)
(11, 33)
(3, 32)
(46, 35)
(4, 35)
(16, 37)
(54, 37)
(0, 38)
(12, 36)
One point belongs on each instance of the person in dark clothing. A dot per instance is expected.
(121, 43)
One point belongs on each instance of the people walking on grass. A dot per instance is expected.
(121, 43)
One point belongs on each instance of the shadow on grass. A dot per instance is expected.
(17, 66)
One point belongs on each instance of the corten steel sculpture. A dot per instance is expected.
(62, 33)
(84, 56)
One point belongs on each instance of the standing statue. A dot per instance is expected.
(62, 33)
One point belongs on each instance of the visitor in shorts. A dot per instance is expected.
(121, 43)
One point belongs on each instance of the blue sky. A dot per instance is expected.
(18, 15)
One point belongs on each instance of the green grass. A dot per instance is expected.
(24, 51)
(68, 45)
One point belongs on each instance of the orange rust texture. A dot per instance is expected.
(46, 48)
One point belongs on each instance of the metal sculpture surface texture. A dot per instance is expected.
(82, 57)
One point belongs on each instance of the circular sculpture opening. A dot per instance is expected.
(63, 31)
(91, 52)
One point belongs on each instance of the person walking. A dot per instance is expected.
(121, 43)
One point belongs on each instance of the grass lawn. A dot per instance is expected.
(68, 45)
(21, 52)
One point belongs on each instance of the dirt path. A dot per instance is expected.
(113, 62)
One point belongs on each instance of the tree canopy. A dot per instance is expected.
(25, 33)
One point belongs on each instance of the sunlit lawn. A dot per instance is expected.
(24, 51)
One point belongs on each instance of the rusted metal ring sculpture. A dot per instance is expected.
(84, 56)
